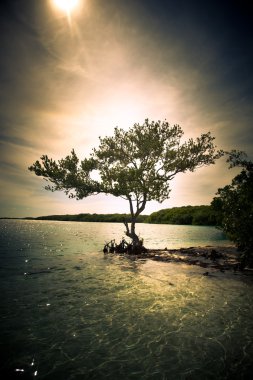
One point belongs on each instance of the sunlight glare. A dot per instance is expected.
(66, 5)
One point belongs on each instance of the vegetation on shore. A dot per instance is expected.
(234, 206)
(188, 215)
(106, 218)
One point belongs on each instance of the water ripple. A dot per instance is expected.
(81, 315)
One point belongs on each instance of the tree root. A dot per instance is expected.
(124, 247)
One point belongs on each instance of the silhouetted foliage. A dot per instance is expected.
(136, 165)
(195, 215)
(104, 218)
(189, 215)
(234, 205)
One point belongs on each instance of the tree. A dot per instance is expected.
(234, 205)
(136, 165)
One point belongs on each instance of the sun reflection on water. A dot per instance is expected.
(79, 313)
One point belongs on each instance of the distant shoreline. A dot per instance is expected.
(106, 218)
(185, 215)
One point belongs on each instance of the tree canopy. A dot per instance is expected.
(234, 205)
(136, 165)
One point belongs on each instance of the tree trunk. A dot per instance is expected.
(137, 244)
(131, 232)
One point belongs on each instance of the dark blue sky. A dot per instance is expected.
(65, 81)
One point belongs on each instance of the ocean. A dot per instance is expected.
(69, 311)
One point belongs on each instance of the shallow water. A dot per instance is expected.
(70, 312)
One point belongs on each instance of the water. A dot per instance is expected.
(70, 312)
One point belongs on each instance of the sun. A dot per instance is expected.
(66, 5)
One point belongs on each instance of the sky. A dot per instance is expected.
(67, 78)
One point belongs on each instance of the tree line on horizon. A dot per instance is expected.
(203, 215)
